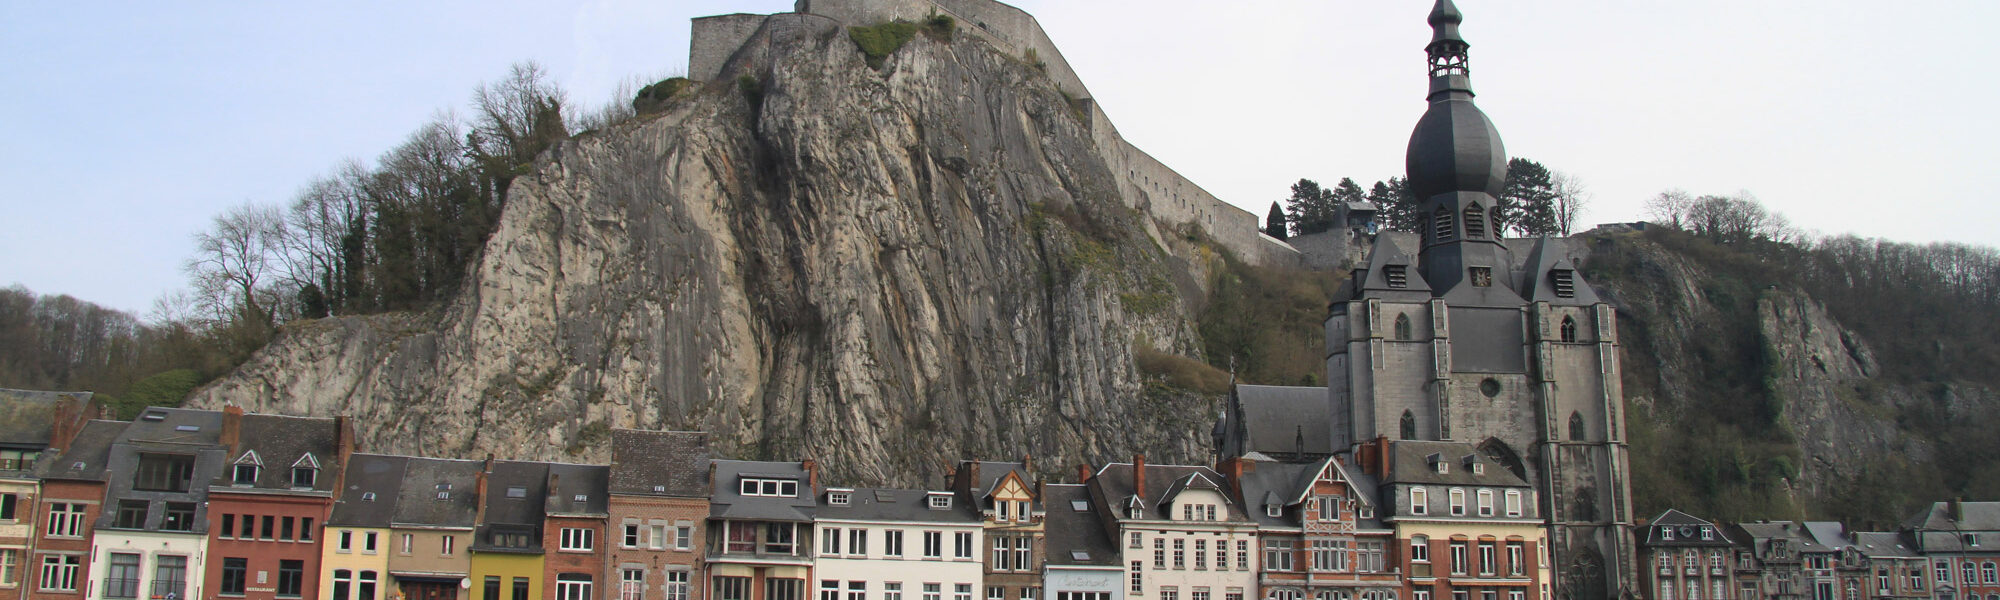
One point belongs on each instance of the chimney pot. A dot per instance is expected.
(1139, 475)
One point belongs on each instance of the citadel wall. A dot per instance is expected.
(1145, 183)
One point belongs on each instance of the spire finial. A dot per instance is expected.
(1447, 49)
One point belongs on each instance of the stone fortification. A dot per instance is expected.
(1144, 183)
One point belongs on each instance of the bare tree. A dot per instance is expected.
(518, 116)
(1670, 208)
(234, 261)
(1571, 196)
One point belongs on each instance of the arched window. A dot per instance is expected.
(1402, 326)
(1575, 427)
(1331, 595)
(1970, 575)
(1441, 223)
(1568, 329)
(1475, 222)
(343, 580)
(1285, 594)
(1987, 574)
(1410, 428)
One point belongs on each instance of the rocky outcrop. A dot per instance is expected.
(881, 269)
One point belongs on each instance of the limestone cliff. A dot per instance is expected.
(881, 269)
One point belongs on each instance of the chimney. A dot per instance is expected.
(972, 475)
(479, 491)
(344, 447)
(1083, 473)
(1028, 465)
(711, 479)
(555, 488)
(232, 428)
(1040, 483)
(812, 475)
(1958, 509)
(67, 423)
(1381, 456)
(1139, 475)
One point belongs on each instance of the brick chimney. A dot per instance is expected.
(344, 444)
(68, 421)
(1234, 468)
(1028, 465)
(555, 489)
(972, 475)
(1139, 475)
(479, 491)
(232, 428)
(1083, 473)
(812, 475)
(711, 478)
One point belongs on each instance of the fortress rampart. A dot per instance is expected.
(1146, 184)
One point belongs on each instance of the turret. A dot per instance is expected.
(1458, 170)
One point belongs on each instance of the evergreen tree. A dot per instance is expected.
(1398, 210)
(1274, 223)
(1527, 204)
(1311, 207)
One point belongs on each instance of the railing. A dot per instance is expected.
(169, 590)
(121, 587)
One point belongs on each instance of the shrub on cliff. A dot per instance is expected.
(880, 41)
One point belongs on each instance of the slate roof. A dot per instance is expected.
(1885, 544)
(1936, 529)
(1687, 530)
(416, 498)
(175, 426)
(659, 463)
(516, 502)
(1550, 254)
(281, 442)
(571, 481)
(1114, 484)
(877, 504)
(87, 454)
(728, 503)
(1394, 248)
(1070, 531)
(27, 417)
(376, 474)
(990, 474)
(1760, 535)
(1410, 463)
(1287, 485)
(1276, 417)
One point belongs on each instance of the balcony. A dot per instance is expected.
(169, 590)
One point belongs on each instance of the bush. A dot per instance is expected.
(880, 41)
(660, 95)
(940, 27)
(1180, 371)
(166, 388)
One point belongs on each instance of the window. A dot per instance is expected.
(1397, 275)
(1278, 555)
(303, 477)
(1458, 502)
(1569, 333)
(1409, 431)
(1168, 592)
(1222, 555)
(346, 537)
(285, 532)
(892, 543)
(829, 544)
(1242, 555)
(940, 501)
(961, 591)
(1159, 553)
(122, 579)
(631, 584)
(837, 498)
(933, 544)
(407, 538)
(490, 589)
(1201, 555)
(131, 515)
(445, 545)
(10, 566)
(291, 578)
(1965, 570)
(1516, 555)
(368, 540)
(578, 539)
(1485, 501)
(857, 590)
(1369, 557)
(163, 473)
(244, 473)
(572, 586)
(1513, 503)
(892, 590)
(1487, 560)
(1180, 554)
(1420, 549)
(684, 537)
(631, 538)
(59, 572)
(779, 488)
(1565, 285)
(270, 527)
(994, 592)
(1420, 500)
(521, 588)
(1988, 574)
(1003, 554)
(1458, 558)
(677, 585)
(1475, 222)
(1943, 572)
(857, 542)
(65, 520)
(933, 591)
(169, 577)
(1575, 427)
(343, 584)
(962, 545)
(1134, 544)
(657, 539)
(1328, 555)
(730, 588)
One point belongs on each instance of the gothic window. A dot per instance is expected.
(1409, 426)
(1475, 222)
(1441, 223)
(1575, 427)
(1568, 329)
(1402, 327)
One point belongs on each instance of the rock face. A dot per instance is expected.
(881, 269)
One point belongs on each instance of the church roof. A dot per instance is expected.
(1538, 280)
(1285, 420)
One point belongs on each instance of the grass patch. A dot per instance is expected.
(660, 95)
(879, 41)
(1180, 371)
(940, 27)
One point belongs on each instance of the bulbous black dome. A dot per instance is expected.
(1455, 149)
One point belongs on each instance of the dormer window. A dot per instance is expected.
(245, 470)
(777, 488)
(305, 472)
(1135, 509)
(838, 497)
(940, 500)
(1666, 533)
(1564, 282)
(1273, 510)
(1475, 222)
(1478, 468)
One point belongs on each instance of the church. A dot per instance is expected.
(1454, 334)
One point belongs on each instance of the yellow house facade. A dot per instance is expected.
(506, 576)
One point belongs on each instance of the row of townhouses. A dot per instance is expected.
(1948, 551)
(221, 504)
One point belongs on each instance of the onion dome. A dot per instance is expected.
(1455, 148)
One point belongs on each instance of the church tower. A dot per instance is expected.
(1454, 333)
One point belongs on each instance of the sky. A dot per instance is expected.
(130, 125)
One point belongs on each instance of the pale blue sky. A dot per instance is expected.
(132, 124)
